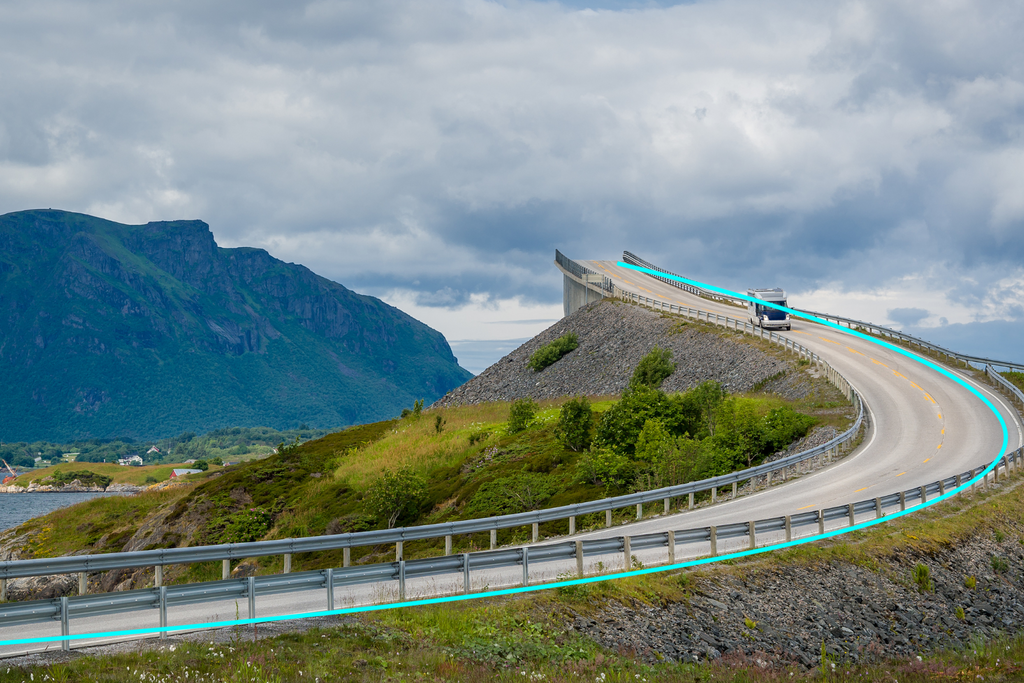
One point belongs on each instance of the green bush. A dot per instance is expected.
(923, 577)
(521, 414)
(575, 420)
(508, 495)
(654, 368)
(999, 564)
(552, 351)
(394, 495)
(86, 477)
(248, 525)
(603, 466)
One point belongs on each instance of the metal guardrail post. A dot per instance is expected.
(942, 487)
(789, 529)
(821, 522)
(329, 580)
(671, 547)
(65, 623)
(691, 500)
(252, 596)
(713, 534)
(572, 525)
(850, 511)
(579, 558)
(287, 563)
(158, 575)
(465, 573)
(401, 580)
(346, 557)
(225, 570)
(924, 496)
(83, 583)
(903, 501)
(525, 552)
(668, 505)
(494, 539)
(3, 590)
(734, 490)
(448, 544)
(626, 554)
(959, 483)
(536, 532)
(753, 534)
(878, 508)
(608, 515)
(639, 511)
(163, 612)
(400, 550)
(714, 494)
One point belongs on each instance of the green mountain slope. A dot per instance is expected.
(150, 330)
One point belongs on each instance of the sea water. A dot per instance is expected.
(18, 508)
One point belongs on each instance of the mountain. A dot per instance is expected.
(150, 330)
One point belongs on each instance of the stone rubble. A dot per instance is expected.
(783, 615)
(613, 337)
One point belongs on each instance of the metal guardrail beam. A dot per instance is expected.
(64, 609)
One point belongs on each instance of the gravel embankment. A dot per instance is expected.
(613, 337)
(859, 614)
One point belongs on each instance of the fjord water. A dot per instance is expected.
(18, 508)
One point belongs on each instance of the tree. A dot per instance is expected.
(708, 396)
(575, 420)
(654, 368)
(511, 494)
(521, 414)
(395, 494)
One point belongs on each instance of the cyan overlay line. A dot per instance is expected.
(595, 579)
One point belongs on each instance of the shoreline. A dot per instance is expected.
(71, 488)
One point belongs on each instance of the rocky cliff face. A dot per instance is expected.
(110, 329)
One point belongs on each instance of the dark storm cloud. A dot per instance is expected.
(450, 147)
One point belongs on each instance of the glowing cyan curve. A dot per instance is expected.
(622, 575)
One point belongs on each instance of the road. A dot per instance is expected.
(924, 427)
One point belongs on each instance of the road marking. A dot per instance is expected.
(901, 474)
(926, 460)
(830, 341)
(943, 430)
(805, 507)
(940, 416)
(897, 373)
(938, 447)
(863, 489)
(853, 350)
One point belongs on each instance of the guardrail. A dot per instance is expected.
(872, 328)
(161, 598)
(586, 276)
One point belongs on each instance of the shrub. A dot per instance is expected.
(248, 525)
(439, 422)
(508, 495)
(999, 564)
(552, 351)
(602, 466)
(575, 420)
(201, 465)
(395, 494)
(521, 414)
(654, 368)
(922, 577)
(970, 582)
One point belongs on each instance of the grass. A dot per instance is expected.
(138, 476)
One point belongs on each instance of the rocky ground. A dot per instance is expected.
(74, 486)
(779, 614)
(613, 337)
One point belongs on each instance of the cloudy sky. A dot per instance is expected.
(866, 156)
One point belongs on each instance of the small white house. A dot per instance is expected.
(133, 459)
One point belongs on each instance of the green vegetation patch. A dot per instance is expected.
(553, 351)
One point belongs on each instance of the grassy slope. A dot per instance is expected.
(317, 487)
(524, 638)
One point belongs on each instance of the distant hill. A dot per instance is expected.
(150, 330)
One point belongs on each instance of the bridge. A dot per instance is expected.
(919, 435)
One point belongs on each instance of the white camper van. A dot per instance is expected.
(766, 316)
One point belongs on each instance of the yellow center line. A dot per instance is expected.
(940, 416)
(805, 507)
(916, 387)
(901, 474)
(863, 489)
(939, 446)
(943, 430)
(853, 350)
(925, 460)
(829, 341)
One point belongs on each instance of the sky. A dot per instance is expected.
(866, 156)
